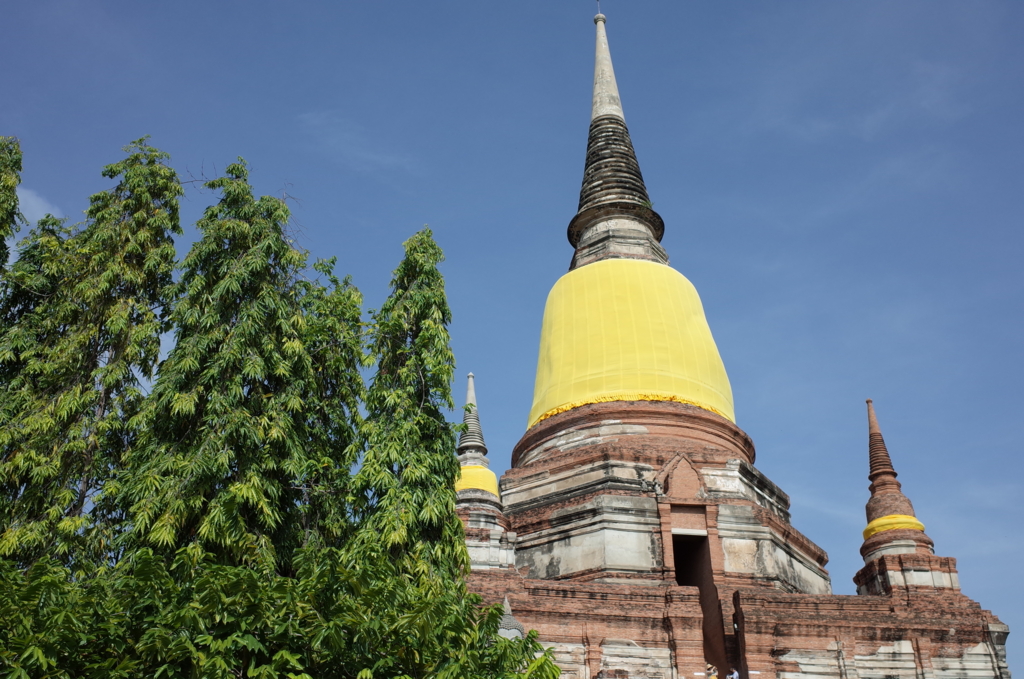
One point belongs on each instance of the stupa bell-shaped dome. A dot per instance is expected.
(627, 330)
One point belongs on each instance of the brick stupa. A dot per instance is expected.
(634, 531)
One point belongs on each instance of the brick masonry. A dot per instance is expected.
(639, 540)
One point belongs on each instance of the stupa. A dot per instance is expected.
(634, 531)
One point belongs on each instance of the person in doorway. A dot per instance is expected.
(733, 674)
(711, 672)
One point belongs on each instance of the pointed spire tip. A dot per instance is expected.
(878, 454)
(470, 390)
(873, 427)
(606, 90)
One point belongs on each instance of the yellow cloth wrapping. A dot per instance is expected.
(892, 522)
(627, 330)
(477, 477)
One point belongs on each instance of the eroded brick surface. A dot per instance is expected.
(609, 507)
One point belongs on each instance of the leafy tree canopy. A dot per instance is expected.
(83, 312)
(247, 506)
(10, 177)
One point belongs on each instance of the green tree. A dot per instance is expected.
(344, 604)
(377, 618)
(10, 178)
(250, 419)
(333, 337)
(231, 537)
(32, 280)
(83, 318)
(408, 612)
(406, 484)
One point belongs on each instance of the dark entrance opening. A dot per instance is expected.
(692, 555)
(693, 560)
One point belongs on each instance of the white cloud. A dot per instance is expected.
(34, 206)
(795, 99)
(347, 142)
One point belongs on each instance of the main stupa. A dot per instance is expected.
(634, 531)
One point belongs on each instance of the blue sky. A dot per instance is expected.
(841, 181)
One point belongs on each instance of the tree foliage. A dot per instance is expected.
(10, 177)
(225, 449)
(406, 483)
(84, 314)
(246, 506)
